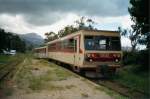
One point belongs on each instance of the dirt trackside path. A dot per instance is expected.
(39, 79)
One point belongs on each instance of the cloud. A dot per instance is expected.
(18, 24)
(112, 23)
(14, 23)
(44, 12)
(41, 16)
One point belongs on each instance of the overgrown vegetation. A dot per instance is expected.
(138, 81)
(135, 72)
(5, 59)
(140, 60)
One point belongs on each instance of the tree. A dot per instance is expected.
(129, 33)
(85, 23)
(50, 36)
(82, 23)
(12, 41)
(139, 11)
(67, 30)
(90, 23)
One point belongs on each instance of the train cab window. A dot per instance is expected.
(89, 43)
(102, 43)
(95, 43)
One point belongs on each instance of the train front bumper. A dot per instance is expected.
(95, 65)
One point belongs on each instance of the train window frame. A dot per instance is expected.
(68, 45)
(107, 46)
(115, 40)
(102, 45)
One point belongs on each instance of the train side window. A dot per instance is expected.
(52, 47)
(75, 45)
(71, 44)
(68, 45)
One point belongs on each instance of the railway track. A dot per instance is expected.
(121, 89)
(8, 69)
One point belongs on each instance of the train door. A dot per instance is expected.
(76, 54)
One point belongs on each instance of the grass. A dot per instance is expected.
(56, 73)
(26, 79)
(9, 58)
(4, 58)
(138, 81)
(44, 82)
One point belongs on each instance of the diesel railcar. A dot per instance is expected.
(86, 50)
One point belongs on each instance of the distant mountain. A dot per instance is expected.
(32, 39)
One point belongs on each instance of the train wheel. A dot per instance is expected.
(75, 69)
(78, 70)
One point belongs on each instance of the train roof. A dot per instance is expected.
(78, 32)
(100, 31)
(40, 47)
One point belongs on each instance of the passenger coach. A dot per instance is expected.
(41, 52)
(87, 50)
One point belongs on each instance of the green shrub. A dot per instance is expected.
(139, 58)
(129, 58)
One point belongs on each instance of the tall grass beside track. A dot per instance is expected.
(135, 72)
(135, 81)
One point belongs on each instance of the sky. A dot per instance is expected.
(41, 16)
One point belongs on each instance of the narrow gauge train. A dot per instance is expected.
(85, 50)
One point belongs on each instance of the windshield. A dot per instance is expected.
(102, 43)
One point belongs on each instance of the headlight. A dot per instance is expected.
(90, 60)
(116, 60)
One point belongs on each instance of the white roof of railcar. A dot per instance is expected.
(78, 32)
(40, 47)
